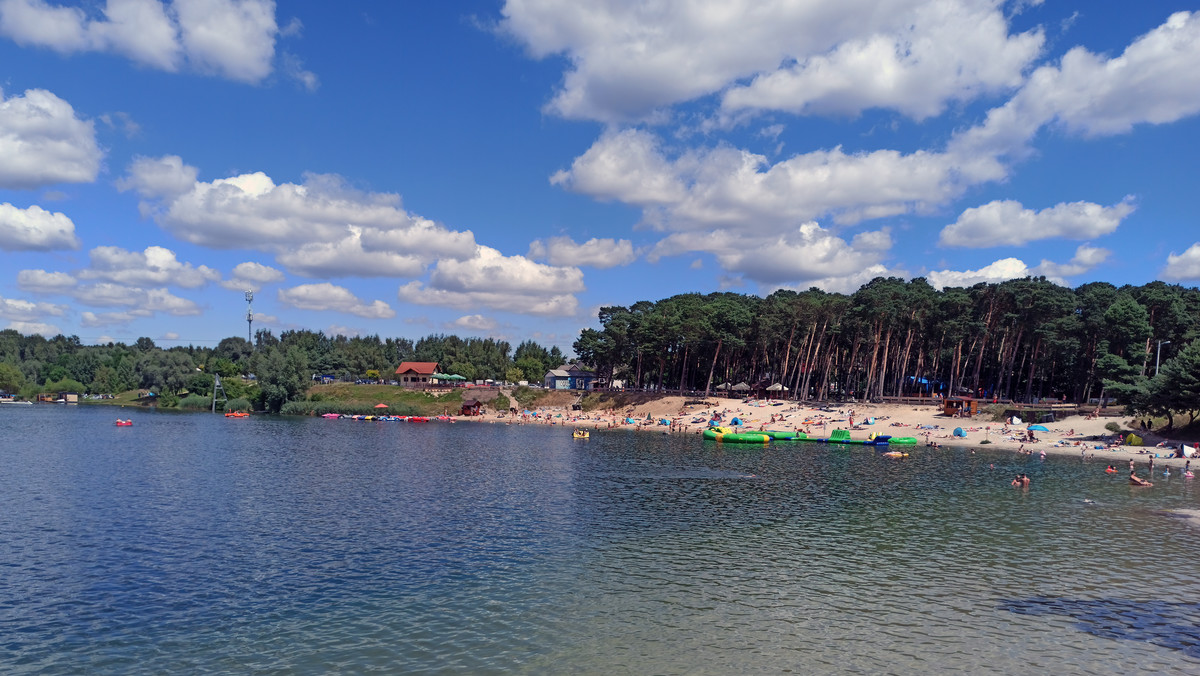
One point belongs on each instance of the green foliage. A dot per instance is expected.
(527, 397)
(1113, 427)
(167, 400)
(11, 378)
(64, 385)
(282, 377)
(514, 375)
(501, 403)
(316, 396)
(195, 402)
(238, 405)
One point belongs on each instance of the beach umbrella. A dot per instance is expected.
(1038, 428)
(381, 405)
(722, 386)
(741, 387)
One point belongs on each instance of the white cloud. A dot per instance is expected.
(629, 59)
(234, 39)
(490, 279)
(154, 266)
(28, 311)
(159, 177)
(1086, 258)
(999, 271)
(1154, 81)
(107, 294)
(474, 323)
(92, 320)
(40, 281)
(170, 335)
(326, 296)
(35, 229)
(229, 38)
(1184, 266)
(34, 328)
(742, 191)
(252, 276)
(848, 283)
(341, 330)
(1007, 222)
(349, 256)
(798, 257)
(42, 142)
(320, 228)
(547, 305)
(596, 253)
(948, 51)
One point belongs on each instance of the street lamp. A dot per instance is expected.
(1158, 353)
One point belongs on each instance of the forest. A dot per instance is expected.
(283, 366)
(1022, 340)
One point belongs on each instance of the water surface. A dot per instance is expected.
(194, 543)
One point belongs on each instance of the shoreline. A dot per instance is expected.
(1073, 437)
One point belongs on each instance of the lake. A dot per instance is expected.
(194, 543)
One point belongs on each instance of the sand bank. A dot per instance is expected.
(1074, 436)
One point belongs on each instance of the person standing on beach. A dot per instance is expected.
(1152, 464)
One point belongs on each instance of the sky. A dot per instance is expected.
(505, 169)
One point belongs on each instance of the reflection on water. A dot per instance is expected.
(1170, 624)
(195, 543)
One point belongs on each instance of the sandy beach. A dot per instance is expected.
(1076, 436)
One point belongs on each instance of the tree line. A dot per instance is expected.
(1023, 339)
(284, 366)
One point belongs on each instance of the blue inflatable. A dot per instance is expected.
(958, 432)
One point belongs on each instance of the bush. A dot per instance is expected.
(1113, 427)
(195, 402)
(316, 396)
(501, 403)
(238, 404)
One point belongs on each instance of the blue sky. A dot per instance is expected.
(506, 168)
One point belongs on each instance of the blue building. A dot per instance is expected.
(569, 377)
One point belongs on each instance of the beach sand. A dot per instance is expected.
(1072, 436)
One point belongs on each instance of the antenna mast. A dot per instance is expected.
(249, 316)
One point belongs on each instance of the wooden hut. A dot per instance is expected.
(960, 407)
(471, 407)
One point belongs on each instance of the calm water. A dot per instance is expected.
(191, 543)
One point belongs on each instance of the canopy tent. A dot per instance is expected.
(722, 386)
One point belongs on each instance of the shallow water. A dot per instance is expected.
(193, 543)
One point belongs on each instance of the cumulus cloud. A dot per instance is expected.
(1007, 222)
(797, 257)
(491, 279)
(252, 276)
(35, 229)
(596, 253)
(329, 297)
(42, 142)
(320, 228)
(108, 294)
(28, 311)
(92, 320)
(474, 323)
(1000, 271)
(948, 51)
(1184, 266)
(234, 39)
(154, 266)
(1154, 81)
(724, 187)
(629, 59)
(1086, 258)
(34, 329)
(40, 281)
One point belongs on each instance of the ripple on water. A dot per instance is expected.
(189, 544)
